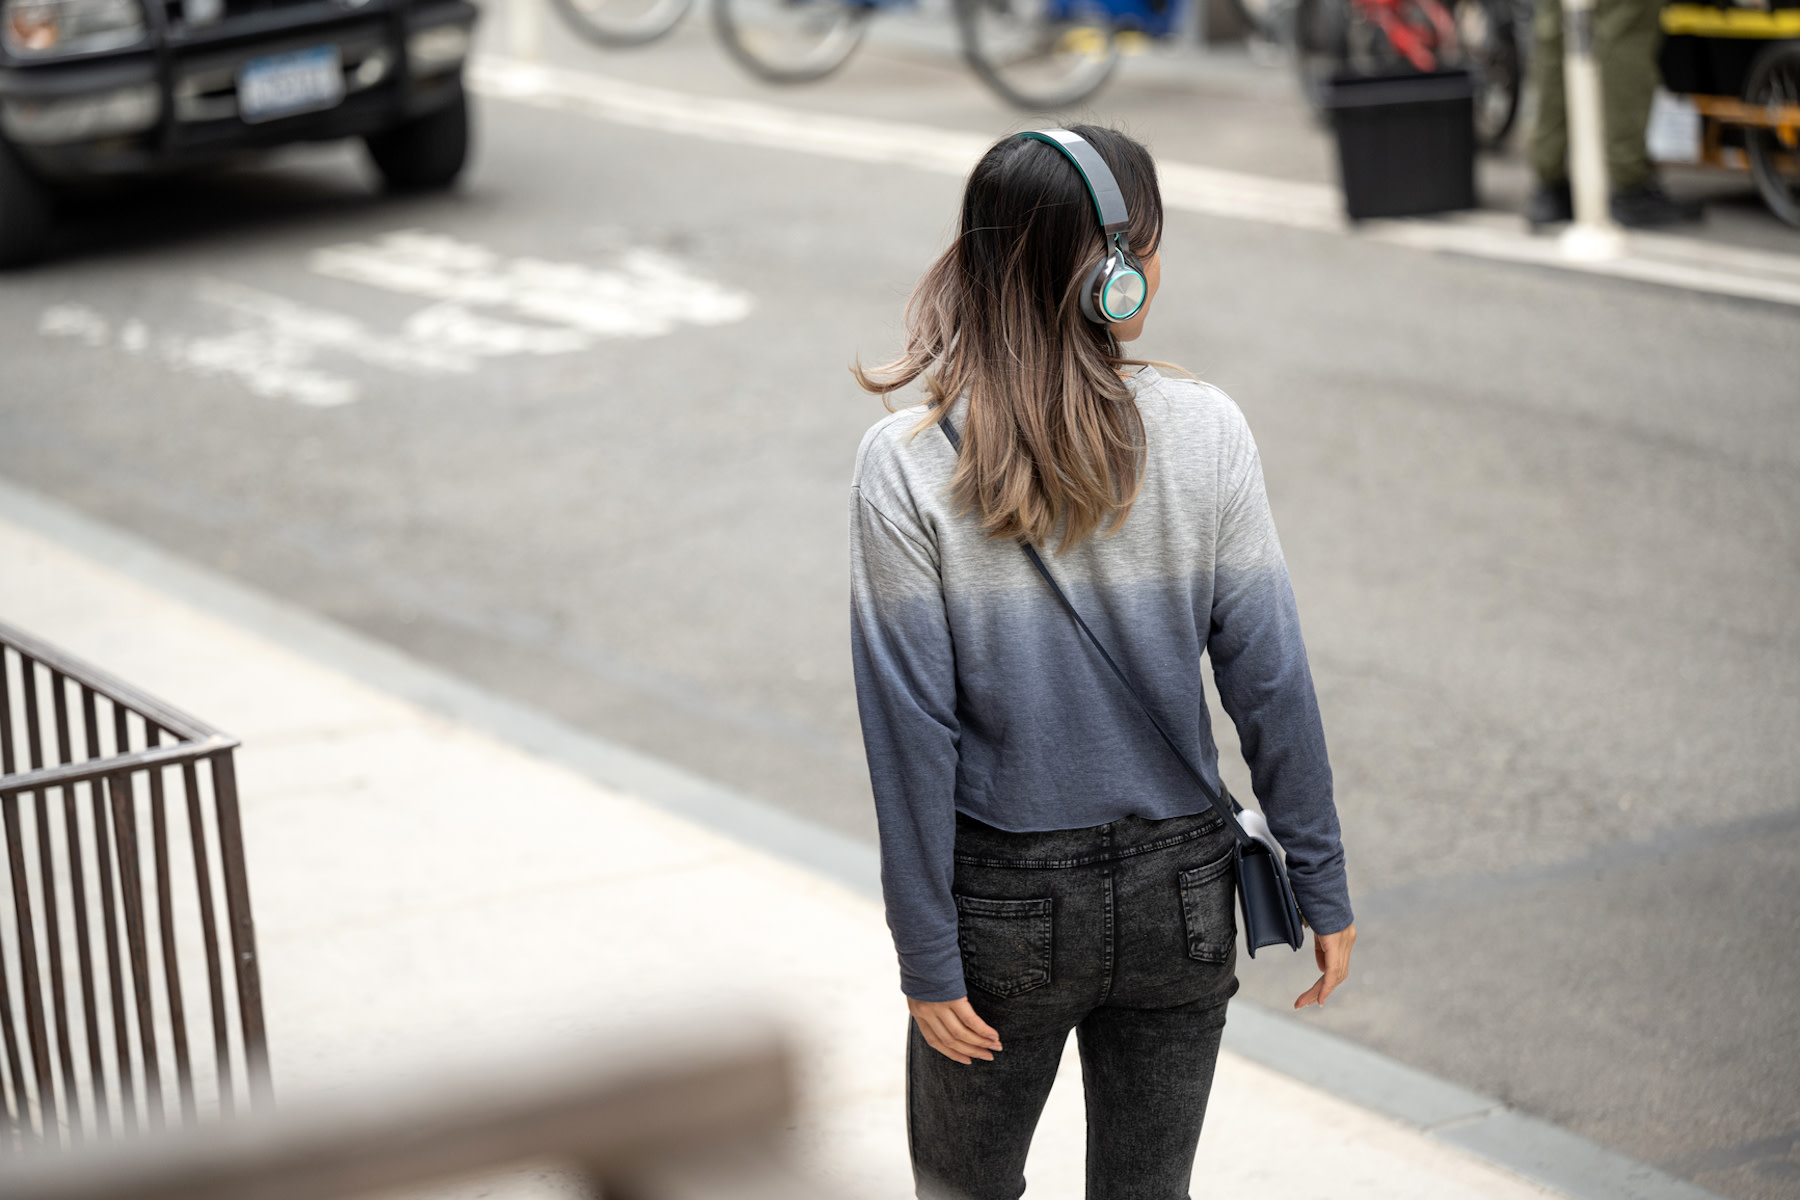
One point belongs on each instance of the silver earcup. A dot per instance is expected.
(1115, 288)
(1123, 293)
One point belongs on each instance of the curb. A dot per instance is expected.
(1536, 1150)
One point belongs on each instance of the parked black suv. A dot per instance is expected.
(119, 87)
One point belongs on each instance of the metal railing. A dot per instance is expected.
(123, 848)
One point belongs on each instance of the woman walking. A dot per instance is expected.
(1048, 864)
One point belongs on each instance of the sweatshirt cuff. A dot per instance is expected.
(933, 976)
(1324, 903)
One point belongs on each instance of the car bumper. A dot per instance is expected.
(177, 105)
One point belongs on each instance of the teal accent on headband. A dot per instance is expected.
(1116, 288)
(1109, 201)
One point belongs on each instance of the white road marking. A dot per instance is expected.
(647, 296)
(1667, 260)
(76, 321)
(276, 344)
(287, 326)
(454, 327)
(271, 366)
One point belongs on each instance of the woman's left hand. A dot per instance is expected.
(952, 1028)
(1332, 952)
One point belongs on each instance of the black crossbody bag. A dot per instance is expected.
(1271, 916)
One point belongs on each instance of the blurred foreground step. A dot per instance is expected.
(640, 1124)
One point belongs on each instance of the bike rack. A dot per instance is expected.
(123, 849)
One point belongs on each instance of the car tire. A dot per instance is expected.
(425, 153)
(24, 211)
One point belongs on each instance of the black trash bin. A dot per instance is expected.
(1406, 143)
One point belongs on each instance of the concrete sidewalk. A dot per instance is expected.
(426, 894)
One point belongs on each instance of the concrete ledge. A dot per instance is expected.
(1523, 1145)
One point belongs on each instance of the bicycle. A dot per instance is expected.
(1050, 54)
(1386, 37)
(620, 24)
(1773, 143)
(1036, 54)
(1737, 73)
(793, 41)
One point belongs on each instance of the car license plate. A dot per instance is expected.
(282, 85)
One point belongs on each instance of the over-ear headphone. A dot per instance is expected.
(1115, 289)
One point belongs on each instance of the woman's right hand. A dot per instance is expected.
(953, 1030)
(1332, 952)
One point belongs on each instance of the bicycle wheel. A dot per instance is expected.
(1775, 153)
(790, 41)
(1318, 37)
(1038, 54)
(1490, 49)
(620, 23)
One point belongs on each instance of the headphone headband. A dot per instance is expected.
(1109, 201)
(1115, 288)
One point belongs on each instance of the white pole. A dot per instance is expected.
(525, 29)
(1593, 235)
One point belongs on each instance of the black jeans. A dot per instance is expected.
(1124, 933)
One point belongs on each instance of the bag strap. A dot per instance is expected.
(1225, 808)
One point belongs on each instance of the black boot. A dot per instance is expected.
(1551, 204)
(1647, 206)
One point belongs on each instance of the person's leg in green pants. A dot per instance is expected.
(1627, 39)
(1627, 36)
(1550, 132)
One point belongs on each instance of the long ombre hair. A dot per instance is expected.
(1052, 442)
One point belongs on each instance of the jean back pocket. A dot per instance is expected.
(1005, 943)
(1207, 893)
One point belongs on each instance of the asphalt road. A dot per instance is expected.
(1544, 528)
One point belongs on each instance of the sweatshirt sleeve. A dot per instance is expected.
(1259, 662)
(905, 670)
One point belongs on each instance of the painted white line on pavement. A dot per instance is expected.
(272, 350)
(281, 349)
(1662, 259)
(647, 296)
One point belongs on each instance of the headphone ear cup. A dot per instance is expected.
(1090, 291)
(1128, 274)
(1124, 268)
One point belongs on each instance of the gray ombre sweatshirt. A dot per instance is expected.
(978, 694)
